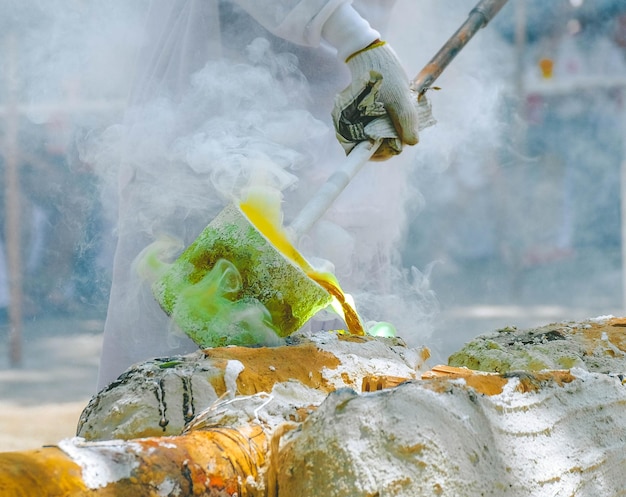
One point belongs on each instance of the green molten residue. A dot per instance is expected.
(170, 364)
(568, 362)
(231, 286)
(151, 263)
(212, 315)
(486, 354)
(206, 301)
(479, 360)
(382, 329)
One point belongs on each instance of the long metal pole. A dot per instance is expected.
(478, 18)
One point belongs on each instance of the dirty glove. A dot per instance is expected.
(378, 103)
(373, 108)
(390, 99)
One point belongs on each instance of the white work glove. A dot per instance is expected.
(377, 104)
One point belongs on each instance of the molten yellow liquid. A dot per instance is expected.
(256, 210)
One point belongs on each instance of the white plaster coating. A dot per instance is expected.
(601, 319)
(168, 488)
(381, 357)
(131, 408)
(101, 463)
(561, 440)
(130, 405)
(231, 373)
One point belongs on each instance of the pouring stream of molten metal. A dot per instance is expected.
(266, 218)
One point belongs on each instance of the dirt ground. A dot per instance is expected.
(41, 400)
(31, 427)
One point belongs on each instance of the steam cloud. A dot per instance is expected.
(250, 121)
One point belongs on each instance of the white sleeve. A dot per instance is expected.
(302, 21)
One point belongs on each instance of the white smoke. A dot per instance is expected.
(251, 118)
(76, 50)
(195, 154)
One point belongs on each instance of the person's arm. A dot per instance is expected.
(308, 22)
(297, 21)
(378, 102)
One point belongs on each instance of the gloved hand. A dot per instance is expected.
(378, 103)
(386, 98)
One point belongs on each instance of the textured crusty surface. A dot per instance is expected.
(597, 345)
(443, 438)
(534, 428)
(161, 396)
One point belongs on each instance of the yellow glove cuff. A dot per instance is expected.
(374, 44)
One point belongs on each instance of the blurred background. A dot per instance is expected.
(517, 221)
(522, 179)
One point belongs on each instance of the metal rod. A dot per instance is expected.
(478, 18)
(330, 190)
